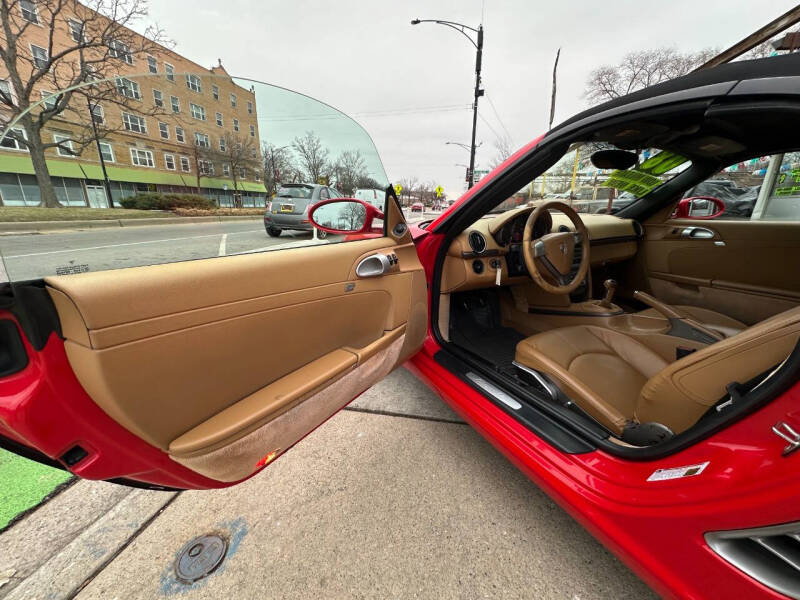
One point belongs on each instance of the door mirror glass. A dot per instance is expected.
(700, 207)
(343, 216)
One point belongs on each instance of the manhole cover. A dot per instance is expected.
(200, 557)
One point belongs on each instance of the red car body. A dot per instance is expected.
(656, 527)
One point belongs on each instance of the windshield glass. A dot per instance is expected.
(577, 181)
(81, 164)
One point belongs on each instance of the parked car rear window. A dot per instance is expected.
(295, 192)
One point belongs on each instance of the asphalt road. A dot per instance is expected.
(35, 255)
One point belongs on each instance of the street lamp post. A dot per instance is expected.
(478, 43)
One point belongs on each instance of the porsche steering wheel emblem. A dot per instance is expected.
(563, 248)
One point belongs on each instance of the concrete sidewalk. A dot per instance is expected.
(392, 497)
(19, 227)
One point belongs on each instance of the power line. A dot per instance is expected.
(489, 125)
(499, 120)
(378, 113)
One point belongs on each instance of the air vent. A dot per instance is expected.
(770, 555)
(477, 242)
(563, 229)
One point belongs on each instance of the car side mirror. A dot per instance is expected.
(343, 215)
(700, 207)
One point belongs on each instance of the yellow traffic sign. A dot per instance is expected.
(439, 191)
(398, 189)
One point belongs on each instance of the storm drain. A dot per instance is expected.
(200, 557)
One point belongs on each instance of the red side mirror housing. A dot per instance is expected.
(344, 216)
(700, 207)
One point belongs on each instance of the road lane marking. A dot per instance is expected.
(222, 244)
(192, 237)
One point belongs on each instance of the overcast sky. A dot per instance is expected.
(363, 56)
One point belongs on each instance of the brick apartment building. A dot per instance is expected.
(174, 110)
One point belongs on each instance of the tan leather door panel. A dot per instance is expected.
(747, 270)
(215, 360)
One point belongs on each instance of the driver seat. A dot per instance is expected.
(622, 384)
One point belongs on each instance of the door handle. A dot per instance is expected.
(697, 233)
(373, 266)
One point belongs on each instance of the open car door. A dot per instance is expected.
(197, 373)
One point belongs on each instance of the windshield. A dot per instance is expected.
(164, 147)
(577, 181)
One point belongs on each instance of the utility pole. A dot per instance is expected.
(553, 95)
(478, 91)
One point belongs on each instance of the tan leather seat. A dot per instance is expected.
(722, 324)
(619, 381)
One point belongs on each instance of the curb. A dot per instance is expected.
(37, 226)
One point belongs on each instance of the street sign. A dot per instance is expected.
(439, 191)
(398, 189)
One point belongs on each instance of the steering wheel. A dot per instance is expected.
(550, 258)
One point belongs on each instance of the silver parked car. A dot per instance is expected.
(289, 209)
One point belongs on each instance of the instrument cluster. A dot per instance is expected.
(512, 231)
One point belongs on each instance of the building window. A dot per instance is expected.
(142, 158)
(152, 64)
(256, 175)
(76, 31)
(198, 112)
(226, 170)
(12, 139)
(215, 92)
(249, 107)
(6, 93)
(120, 50)
(179, 135)
(107, 152)
(176, 105)
(98, 114)
(201, 139)
(169, 160)
(134, 123)
(222, 146)
(169, 70)
(242, 173)
(219, 119)
(205, 167)
(49, 100)
(158, 98)
(252, 131)
(64, 147)
(193, 83)
(28, 8)
(186, 166)
(233, 100)
(163, 130)
(236, 124)
(40, 58)
(128, 88)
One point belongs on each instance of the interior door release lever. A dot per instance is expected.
(373, 266)
(697, 233)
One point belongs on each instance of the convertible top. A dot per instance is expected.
(787, 65)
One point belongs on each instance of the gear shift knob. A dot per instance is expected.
(611, 287)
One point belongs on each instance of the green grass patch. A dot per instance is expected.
(20, 214)
(24, 483)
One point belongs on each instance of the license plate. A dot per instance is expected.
(287, 208)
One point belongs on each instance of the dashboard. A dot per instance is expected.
(494, 243)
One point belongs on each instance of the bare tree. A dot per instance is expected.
(203, 161)
(504, 147)
(312, 156)
(278, 167)
(240, 153)
(641, 69)
(350, 171)
(99, 39)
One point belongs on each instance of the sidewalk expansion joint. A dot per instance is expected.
(389, 413)
(62, 487)
(122, 548)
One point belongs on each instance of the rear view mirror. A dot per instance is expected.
(700, 207)
(613, 159)
(343, 216)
